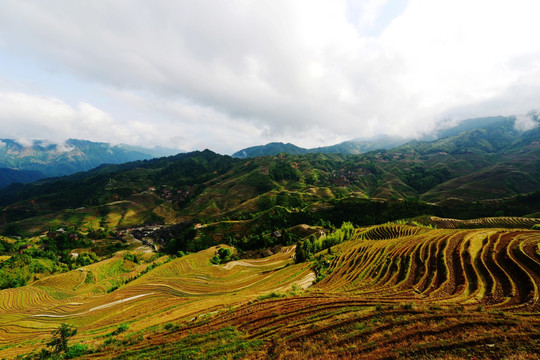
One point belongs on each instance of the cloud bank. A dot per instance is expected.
(226, 75)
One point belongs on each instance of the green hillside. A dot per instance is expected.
(480, 172)
(10, 176)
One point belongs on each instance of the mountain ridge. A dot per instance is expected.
(59, 159)
(355, 146)
(451, 173)
(384, 142)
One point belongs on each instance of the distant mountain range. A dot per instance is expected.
(356, 146)
(29, 162)
(360, 146)
(487, 171)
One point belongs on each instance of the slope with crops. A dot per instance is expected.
(389, 291)
(395, 291)
(491, 171)
(141, 291)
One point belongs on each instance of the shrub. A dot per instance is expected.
(171, 327)
(90, 278)
(132, 257)
(408, 306)
(76, 351)
(272, 295)
(122, 328)
(223, 255)
(60, 338)
(295, 289)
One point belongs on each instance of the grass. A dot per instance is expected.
(272, 295)
(225, 343)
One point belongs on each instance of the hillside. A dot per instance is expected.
(52, 159)
(273, 148)
(356, 146)
(505, 126)
(481, 172)
(10, 176)
(391, 290)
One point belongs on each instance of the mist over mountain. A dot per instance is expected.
(511, 124)
(356, 146)
(24, 161)
(30, 161)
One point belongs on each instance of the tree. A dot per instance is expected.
(300, 253)
(59, 342)
(224, 254)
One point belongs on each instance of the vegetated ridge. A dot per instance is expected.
(356, 146)
(382, 142)
(10, 176)
(477, 173)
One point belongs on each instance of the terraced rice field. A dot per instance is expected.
(178, 290)
(400, 292)
(493, 267)
(394, 291)
(490, 222)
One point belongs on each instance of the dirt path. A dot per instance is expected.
(104, 306)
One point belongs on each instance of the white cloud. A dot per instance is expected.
(26, 117)
(185, 125)
(225, 75)
(526, 122)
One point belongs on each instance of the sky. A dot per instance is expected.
(226, 75)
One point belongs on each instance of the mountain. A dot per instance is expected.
(384, 142)
(155, 152)
(356, 146)
(272, 148)
(360, 146)
(479, 172)
(52, 159)
(471, 124)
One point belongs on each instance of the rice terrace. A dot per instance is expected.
(391, 291)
